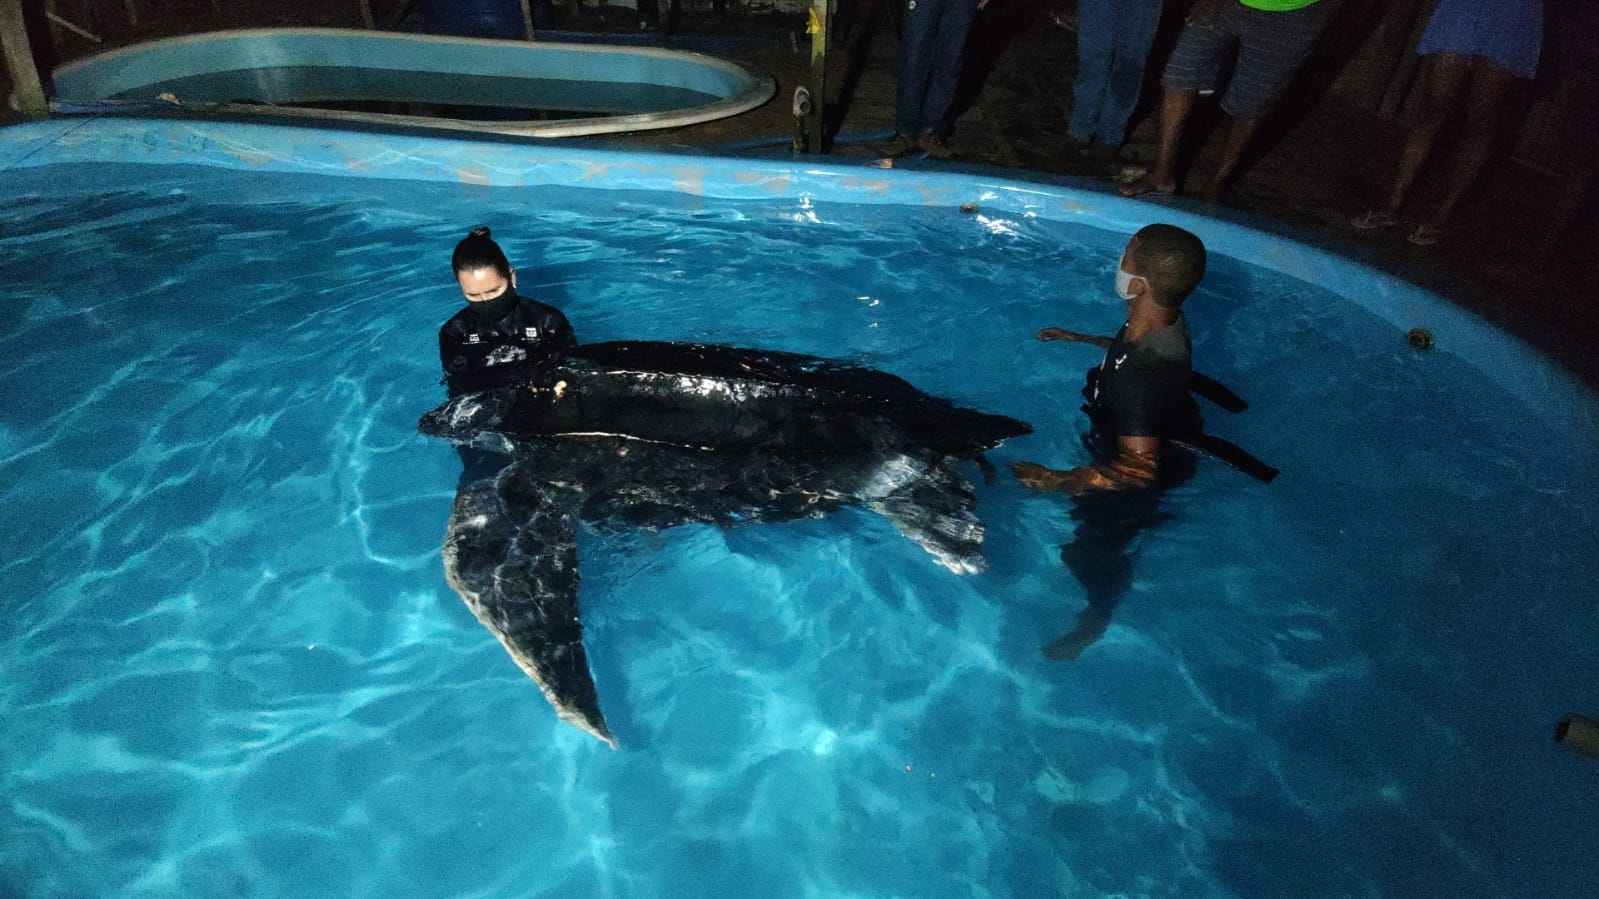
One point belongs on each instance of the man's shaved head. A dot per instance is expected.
(1171, 259)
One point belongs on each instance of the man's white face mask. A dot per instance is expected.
(1124, 283)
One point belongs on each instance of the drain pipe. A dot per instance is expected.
(802, 113)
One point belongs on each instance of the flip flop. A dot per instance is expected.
(1372, 219)
(1425, 235)
(935, 147)
(900, 145)
(1143, 187)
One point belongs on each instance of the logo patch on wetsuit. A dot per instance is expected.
(474, 338)
(532, 333)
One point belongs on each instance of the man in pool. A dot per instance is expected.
(500, 338)
(1137, 400)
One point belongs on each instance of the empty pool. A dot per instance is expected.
(456, 83)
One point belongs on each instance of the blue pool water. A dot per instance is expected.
(230, 664)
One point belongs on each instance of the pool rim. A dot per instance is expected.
(1547, 389)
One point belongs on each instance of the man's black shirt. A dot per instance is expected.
(481, 353)
(1141, 387)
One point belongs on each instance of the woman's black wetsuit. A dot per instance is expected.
(500, 342)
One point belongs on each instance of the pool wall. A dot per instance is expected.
(1543, 386)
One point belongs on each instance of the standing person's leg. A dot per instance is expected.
(41, 42)
(1176, 105)
(1175, 108)
(1134, 34)
(1573, 193)
(1441, 88)
(1240, 134)
(1194, 65)
(916, 61)
(1271, 47)
(1096, 31)
(1488, 84)
(954, 24)
(649, 14)
(1100, 556)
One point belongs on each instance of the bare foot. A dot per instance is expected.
(1215, 192)
(1091, 625)
(1145, 186)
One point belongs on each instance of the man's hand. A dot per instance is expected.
(1134, 467)
(1049, 334)
(1036, 476)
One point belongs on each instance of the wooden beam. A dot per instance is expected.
(527, 19)
(817, 26)
(19, 60)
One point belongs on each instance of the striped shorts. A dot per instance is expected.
(1270, 46)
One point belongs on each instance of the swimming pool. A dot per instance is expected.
(229, 663)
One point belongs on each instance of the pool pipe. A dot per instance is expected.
(28, 90)
(76, 29)
(802, 111)
(760, 143)
(1579, 733)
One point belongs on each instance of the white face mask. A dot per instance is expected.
(1124, 283)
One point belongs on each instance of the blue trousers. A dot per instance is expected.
(930, 63)
(1113, 39)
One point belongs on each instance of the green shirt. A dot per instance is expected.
(1277, 5)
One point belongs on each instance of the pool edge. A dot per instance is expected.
(1504, 358)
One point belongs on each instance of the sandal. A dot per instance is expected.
(934, 146)
(1372, 219)
(899, 146)
(1143, 187)
(1425, 235)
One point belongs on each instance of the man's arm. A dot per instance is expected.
(1136, 464)
(1049, 334)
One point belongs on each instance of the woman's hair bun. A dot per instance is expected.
(478, 250)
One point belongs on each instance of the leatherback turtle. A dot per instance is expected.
(639, 434)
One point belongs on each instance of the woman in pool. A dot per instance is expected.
(499, 338)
